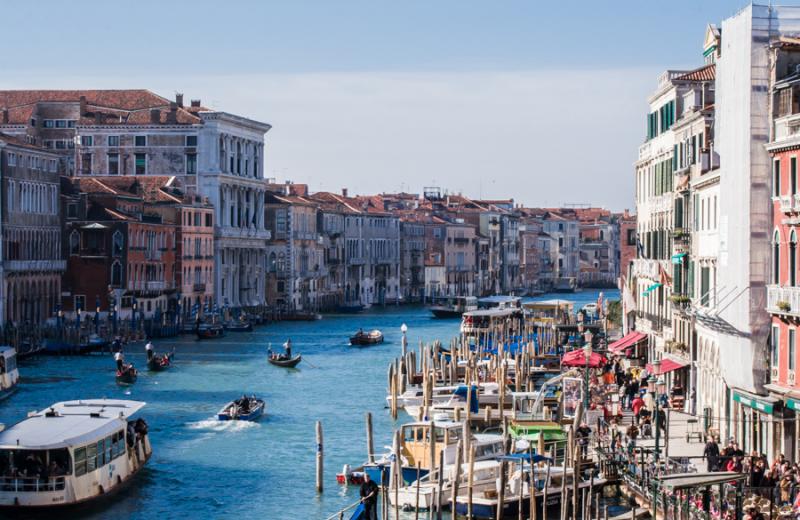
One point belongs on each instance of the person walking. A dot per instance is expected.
(711, 453)
(369, 497)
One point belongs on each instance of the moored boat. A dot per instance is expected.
(239, 326)
(362, 338)
(127, 375)
(454, 307)
(9, 374)
(350, 308)
(73, 452)
(246, 408)
(158, 362)
(283, 361)
(209, 330)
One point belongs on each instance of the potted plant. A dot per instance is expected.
(784, 306)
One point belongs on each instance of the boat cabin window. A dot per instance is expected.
(36, 464)
(485, 450)
(97, 454)
(8, 364)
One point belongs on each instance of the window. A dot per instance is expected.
(208, 220)
(61, 123)
(72, 210)
(118, 243)
(116, 274)
(12, 159)
(86, 163)
(113, 140)
(776, 178)
(191, 140)
(80, 302)
(113, 164)
(792, 353)
(793, 175)
(74, 243)
(87, 140)
(793, 259)
(140, 161)
(775, 345)
(776, 258)
(140, 140)
(191, 163)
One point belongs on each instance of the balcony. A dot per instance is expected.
(790, 204)
(199, 287)
(152, 254)
(461, 240)
(783, 300)
(148, 286)
(34, 265)
(787, 127)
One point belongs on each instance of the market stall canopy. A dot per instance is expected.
(628, 341)
(667, 365)
(577, 358)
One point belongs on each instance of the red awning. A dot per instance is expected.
(627, 342)
(577, 358)
(667, 365)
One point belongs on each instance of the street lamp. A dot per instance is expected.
(655, 384)
(404, 340)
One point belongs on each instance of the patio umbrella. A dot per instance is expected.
(577, 358)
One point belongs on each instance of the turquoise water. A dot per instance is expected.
(202, 468)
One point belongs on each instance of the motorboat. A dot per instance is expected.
(285, 361)
(485, 473)
(9, 374)
(246, 408)
(483, 395)
(127, 375)
(73, 452)
(361, 338)
(209, 330)
(454, 306)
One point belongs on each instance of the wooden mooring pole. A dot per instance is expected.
(319, 457)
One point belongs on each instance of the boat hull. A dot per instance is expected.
(155, 364)
(210, 333)
(286, 363)
(380, 473)
(253, 415)
(444, 314)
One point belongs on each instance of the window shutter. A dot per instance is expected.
(690, 279)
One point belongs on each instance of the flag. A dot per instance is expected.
(663, 276)
(640, 247)
(628, 301)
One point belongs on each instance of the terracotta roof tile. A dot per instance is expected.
(705, 73)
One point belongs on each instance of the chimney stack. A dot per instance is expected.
(83, 106)
(155, 115)
(172, 115)
(5, 116)
(196, 103)
(344, 192)
(179, 99)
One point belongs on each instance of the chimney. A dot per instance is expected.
(179, 99)
(344, 192)
(83, 106)
(5, 116)
(196, 103)
(155, 115)
(172, 115)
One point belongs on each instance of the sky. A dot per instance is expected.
(543, 102)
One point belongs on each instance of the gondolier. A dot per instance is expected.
(287, 348)
(149, 350)
(120, 359)
(369, 497)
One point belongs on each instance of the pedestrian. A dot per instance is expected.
(369, 497)
(636, 406)
(583, 432)
(711, 453)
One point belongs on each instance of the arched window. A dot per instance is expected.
(776, 258)
(74, 242)
(273, 262)
(116, 274)
(118, 243)
(793, 259)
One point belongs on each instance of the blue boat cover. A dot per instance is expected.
(461, 391)
(526, 457)
(358, 514)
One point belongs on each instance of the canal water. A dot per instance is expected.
(203, 468)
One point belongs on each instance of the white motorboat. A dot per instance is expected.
(485, 474)
(72, 452)
(9, 374)
(488, 394)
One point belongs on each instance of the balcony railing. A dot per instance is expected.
(790, 203)
(148, 286)
(783, 300)
(787, 126)
(199, 287)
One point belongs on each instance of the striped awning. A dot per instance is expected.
(627, 342)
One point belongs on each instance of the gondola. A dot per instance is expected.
(367, 338)
(239, 326)
(158, 363)
(283, 361)
(127, 376)
(207, 331)
(242, 409)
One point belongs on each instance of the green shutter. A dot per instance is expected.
(690, 279)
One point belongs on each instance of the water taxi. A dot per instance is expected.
(361, 338)
(243, 409)
(71, 453)
(9, 375)
(454, 306)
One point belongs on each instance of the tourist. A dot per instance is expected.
(711, 453)
(369, 497)
(636, 406)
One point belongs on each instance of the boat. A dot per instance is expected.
(454, 306)
(415, 448)
(28, 349)
(483, 395)
(485, 473)
(565, 285)
(239, 326)
(128, 374)
(9, 374)
(158, 363)
(242, 409)
(361, 338)
(302, 316)
(283, 361)
(79, 452)
(209, 330)
(500, 302)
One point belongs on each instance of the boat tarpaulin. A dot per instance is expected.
(667, 365)
(577, 358)
(526, 457)
(461, 391)
(358, 514)
(627, 342)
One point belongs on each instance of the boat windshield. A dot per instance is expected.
(34, 470)
(8, 364)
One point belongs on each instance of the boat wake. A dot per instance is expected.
(214, 425)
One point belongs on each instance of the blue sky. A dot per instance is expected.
(544, 102)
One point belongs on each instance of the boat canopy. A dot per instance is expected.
(70, 423)
(461, 391)
(525, 457)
